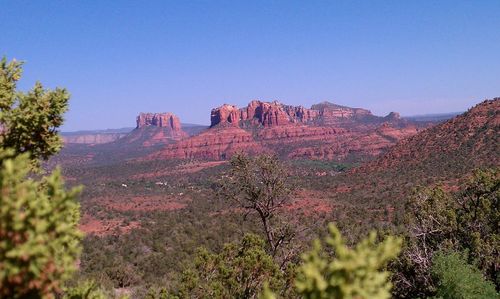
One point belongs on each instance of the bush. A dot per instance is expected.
(459, 280)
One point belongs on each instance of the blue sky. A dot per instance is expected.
(118, 58)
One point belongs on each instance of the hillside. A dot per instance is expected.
(445, 154)
(467, 141)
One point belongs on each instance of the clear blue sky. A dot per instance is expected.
(119, 58)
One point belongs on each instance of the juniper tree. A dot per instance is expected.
(30, 119)
(440, 221)
(39, 238)
(456, 279)
(238, 271)
(259, 185)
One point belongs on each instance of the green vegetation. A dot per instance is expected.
(85, 290)
(39, 239)
(320, 165)
(238, 271)
(459, 280)
(350, 273)
(30, 120)
(439, 221)
(258, 185)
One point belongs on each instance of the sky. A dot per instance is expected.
(119, 58)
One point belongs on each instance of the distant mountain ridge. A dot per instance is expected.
(111, 135)
(324, 131)
(432, 116)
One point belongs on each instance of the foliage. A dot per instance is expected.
(352, 273)
(85, 290)
(39, 238)
(478, 220)
(38, 230)
(430, 222)
(259, 185)
(439, 221)
(459, 280)
(239, 271)
(30, 120)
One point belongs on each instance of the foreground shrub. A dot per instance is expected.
(350, 273)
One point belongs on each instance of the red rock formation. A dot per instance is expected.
(162, 120)
(156, 128)
(393, 116)
(271, 114)
(327, 131)
(215, 144)
(224, 115)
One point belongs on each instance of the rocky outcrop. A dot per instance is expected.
(269, 114)
(292, 141)
(215, 144)
(393, 116)
(156, 128)
(162, 120)
(272, 114)
(225, 115)
(329, 112)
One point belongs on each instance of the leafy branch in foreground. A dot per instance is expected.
(351, 272)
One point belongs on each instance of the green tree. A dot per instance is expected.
(239, 271)
(436, 221)
(85, 290)
(456, 279)
(39, 238)
(30, 120)
(258, 185)
(478, 221)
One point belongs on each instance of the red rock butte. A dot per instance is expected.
(156, 128)
(162, 120)
(271, 114)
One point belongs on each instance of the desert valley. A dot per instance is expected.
(250, 149)
(151, 193)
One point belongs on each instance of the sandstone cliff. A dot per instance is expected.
(272, 114)
(162, 120)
